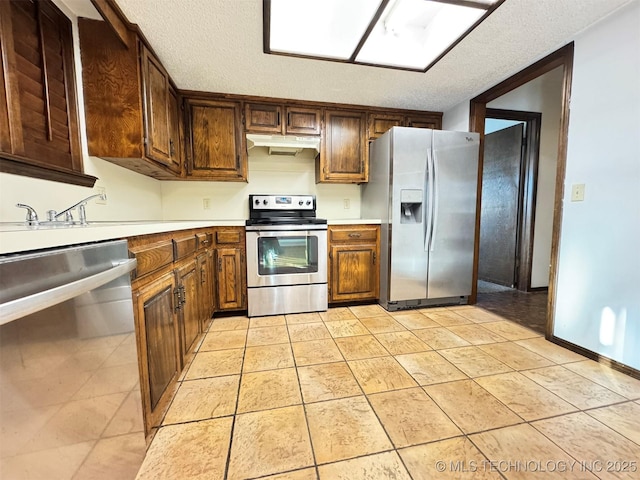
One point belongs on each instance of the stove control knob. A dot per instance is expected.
(308, 202)
(300, 202)
(265, 201)
(257, 202)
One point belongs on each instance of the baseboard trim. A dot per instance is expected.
(538, 289)
(621, 367)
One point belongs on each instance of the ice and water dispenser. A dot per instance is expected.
(411, 206)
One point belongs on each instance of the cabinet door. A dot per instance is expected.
(353, 272)
(417, 121)
(39, 133)
(216, 141)
(158, 346)
(379, 123)
(156, 108)
(230, 279)
(205, 292)
(263, 118)
(343, 158)
(175, 132)
(302, 121)
(188, 280)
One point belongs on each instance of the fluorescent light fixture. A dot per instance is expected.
(405, 34)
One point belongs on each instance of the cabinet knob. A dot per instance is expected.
(355, 235)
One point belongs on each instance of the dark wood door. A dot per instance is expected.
(230, 279)
(39, 133)
(188, 279)
(417, 121)
(158, 346)
(353, 272)
(501, 178)
(343, 158)
(216, 140)
(156, 109)
(302, 120)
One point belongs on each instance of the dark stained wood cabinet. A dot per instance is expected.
(343, 155)
(216, 143)
(39, 135)
(279, 119)
(132, 109)
(158, 347)
(205, 277)
(188, 285)
(354, 270)
(379, 123)
(231, 275)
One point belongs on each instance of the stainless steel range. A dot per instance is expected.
(286, 255)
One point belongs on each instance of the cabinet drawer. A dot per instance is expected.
(228, 236)
(184, 246)
(152, 257)
(352, 235)
(204, 240)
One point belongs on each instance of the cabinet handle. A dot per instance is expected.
(203, 275)
(355, 235)
(278, 118)
(374, 257)
(219, 264)
(289, 119)
(172, 148)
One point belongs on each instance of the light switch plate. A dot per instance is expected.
(577, 192)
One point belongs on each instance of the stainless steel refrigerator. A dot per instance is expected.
(423, 187)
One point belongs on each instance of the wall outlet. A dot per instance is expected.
(347, 204)
(206, 203)
(577, 192)
(101, 191)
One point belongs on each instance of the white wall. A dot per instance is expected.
(457, 118)
(268, 175)
(542, 95)
(131, 196)
(598, 291)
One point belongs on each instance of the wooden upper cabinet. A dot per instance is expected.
(39, 135)
(281, 119)
(343, 156)
(161, 114)
(216, 148)
(379, 123)
(424, 121)
(132, 110)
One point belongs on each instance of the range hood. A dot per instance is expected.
(287, 145)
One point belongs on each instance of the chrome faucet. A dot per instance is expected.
(54, 216)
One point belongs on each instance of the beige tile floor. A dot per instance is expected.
(358, 393)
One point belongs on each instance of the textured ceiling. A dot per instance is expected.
(216, 46)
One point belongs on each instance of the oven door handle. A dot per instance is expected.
(21, 307)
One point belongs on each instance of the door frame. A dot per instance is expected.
(562, 57)
(527, 192)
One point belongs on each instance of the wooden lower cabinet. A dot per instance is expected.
(206, 275)
(158, 346)
(188, 285)
(354, 271)
(230, 286)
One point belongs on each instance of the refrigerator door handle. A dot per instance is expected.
(429, 202)
(436, 198)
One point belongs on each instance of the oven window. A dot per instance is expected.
(285, 255)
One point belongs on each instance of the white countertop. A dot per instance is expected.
(17, 237)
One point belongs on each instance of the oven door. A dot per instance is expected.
(286, 255)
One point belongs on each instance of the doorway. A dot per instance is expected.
(562, 58)
(509, 185)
